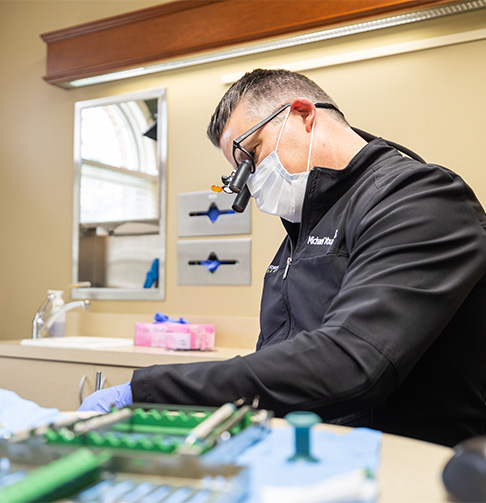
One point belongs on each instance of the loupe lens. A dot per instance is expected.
(240, 177)
(241, 200)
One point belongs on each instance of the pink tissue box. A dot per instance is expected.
(175, 335)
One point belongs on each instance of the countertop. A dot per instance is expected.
(127, 356)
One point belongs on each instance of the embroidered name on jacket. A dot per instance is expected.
(315, 240)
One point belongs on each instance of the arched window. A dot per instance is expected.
(119, 175)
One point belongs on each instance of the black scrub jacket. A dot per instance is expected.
(373, 310)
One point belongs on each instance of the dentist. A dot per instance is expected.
(372, 312)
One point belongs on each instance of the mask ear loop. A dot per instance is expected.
(311, 142)
(281, 130)
(311, 138)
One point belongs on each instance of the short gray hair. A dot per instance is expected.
(265, 91)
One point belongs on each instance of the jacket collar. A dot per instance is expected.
(326, 186)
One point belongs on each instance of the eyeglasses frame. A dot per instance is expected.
(244, 136)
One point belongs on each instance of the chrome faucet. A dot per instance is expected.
(44, 317)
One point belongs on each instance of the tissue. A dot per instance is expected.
(170, 335)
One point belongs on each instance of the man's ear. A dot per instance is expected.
(307, 111)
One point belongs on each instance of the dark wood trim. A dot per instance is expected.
(124, 19)
(187, 27)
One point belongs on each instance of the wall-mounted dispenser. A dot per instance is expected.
(209, 214)
(214, 262)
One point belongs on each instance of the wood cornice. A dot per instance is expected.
(187, 27)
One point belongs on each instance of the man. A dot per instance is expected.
(372, 311)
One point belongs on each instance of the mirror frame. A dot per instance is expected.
(122, 293)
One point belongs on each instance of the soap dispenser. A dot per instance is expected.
(58, 326)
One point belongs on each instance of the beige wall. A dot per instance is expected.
(432, 101)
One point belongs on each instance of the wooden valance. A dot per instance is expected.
(186, 27)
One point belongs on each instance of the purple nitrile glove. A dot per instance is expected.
(104, 399)
(163, 318)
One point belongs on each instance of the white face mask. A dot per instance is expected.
(276, 191)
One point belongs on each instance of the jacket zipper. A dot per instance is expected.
(284, 288)
(287, 267)
(291, 255)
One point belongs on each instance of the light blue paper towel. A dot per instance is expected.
(337, 454)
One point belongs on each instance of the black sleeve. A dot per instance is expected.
(416, 252)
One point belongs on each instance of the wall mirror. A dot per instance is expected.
(120, 147)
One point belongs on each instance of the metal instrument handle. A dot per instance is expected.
(98, 380)
(81, 386)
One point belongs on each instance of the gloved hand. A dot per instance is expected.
(104, 399)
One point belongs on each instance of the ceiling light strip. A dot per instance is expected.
(373, 53)
(286, 42)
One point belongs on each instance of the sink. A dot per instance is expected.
(78, 342)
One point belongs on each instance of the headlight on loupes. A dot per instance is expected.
(235, 183)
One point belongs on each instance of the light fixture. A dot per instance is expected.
(342, 31)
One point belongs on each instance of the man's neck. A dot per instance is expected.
(336, 146)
